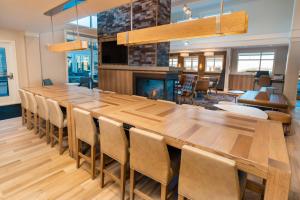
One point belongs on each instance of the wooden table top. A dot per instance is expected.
(275, 101)
(256, 145)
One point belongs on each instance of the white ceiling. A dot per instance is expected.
(27, 15)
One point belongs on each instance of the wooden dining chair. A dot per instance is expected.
(85, 131)
(24, 106)
(32, 113)
(204, 175)
(149, 156)
(202, 86)
(264, 81)
(58, 125)
(44, 123)
(114, 144)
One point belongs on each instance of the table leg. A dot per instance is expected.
(278, 183)
(71, 137)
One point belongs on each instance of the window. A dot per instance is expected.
(83, 63)
(214, 63)
(89, 22)
(191, 63)
(173, 61)
(256, 61)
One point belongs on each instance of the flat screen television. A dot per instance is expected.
(113, 53)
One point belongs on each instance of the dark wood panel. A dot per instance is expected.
(241, 82)
(116, 80)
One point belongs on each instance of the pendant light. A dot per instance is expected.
(76, 45)
(229, 24)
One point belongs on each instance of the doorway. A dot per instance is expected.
(8, 74)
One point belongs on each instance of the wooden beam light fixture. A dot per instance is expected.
(227, 24)
(76, 45)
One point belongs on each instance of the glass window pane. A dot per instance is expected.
(188, 62)
(248, 65)
(251, 62)
(4, 90)
(266, 65)
(214, 64)
(268, 55)
(94, 22)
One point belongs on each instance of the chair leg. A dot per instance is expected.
(28, 119)
(77, 156)
(47, 131)
(23, 116)
(60, 140)
(180, 197)
(163, 192)
(51, 135)
(123, 181)
(101, 170)
(132, 182)
(35, 126)
(93, 160)
(40, 122)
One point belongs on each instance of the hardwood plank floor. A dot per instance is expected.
(31, 169)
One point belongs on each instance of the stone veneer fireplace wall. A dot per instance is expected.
(146, 13)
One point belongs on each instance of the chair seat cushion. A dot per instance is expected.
(279, 116)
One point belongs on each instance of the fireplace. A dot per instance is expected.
(159, 85)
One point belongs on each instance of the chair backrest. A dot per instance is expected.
(204, 175)
(113, 140)
(85, 128)
(32, 105)
(164, 101)
(264, 81)
(47, 82)
(23, 98)
(202, 85)
(56, 116)
(42, 107)
(149, 155)
(189, 84)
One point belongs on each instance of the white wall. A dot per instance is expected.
(53, 64)
(269, 23)
(33, 59)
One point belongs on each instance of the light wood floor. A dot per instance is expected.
(31, 169)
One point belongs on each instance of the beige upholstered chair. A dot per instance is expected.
(113, 143)
(32, 115)
(164, 101)
(149, 156)
(57, 121)
(44, 123)
(24, 106)
(86, 131)
(204, 175)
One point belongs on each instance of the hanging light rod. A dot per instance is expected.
(76, 45)
(229, 24)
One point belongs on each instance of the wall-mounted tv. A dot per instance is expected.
(113, 53)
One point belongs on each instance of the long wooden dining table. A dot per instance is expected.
(257, 145)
